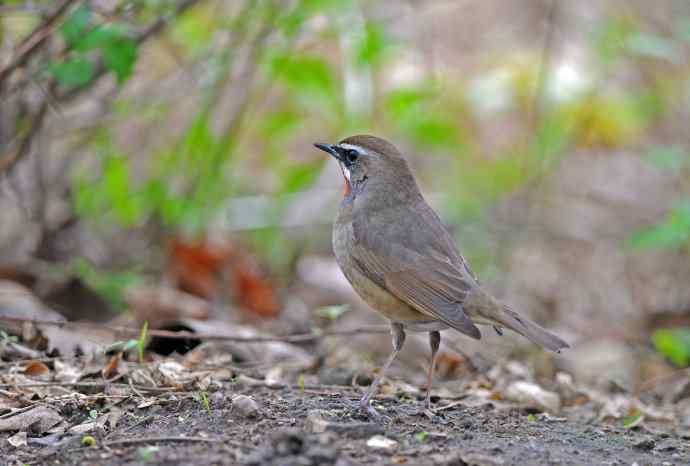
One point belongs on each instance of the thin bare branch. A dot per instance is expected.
(8, 162)
(150, 31)
(34, 40)
(134, 332)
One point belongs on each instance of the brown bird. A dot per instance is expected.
(401, 260)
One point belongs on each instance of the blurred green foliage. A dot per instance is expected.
(84, 36)
(674, 344)
(110, 285)
(297, 90)
(673, 232)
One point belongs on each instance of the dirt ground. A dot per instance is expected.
(305, 427)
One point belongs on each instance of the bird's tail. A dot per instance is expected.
(484, 308)
(506, 317)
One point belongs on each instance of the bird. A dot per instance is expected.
(402, 261)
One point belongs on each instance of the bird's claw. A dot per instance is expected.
(368, 411)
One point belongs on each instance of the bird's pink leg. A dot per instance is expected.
(398, 340)
(435, 343)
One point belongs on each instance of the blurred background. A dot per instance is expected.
(156, 165)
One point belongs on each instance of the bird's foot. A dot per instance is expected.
(369, 412)
(428, 411)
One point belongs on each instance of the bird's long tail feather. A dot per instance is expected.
(528, 329)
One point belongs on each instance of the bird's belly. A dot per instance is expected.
(383, 301)
(378, 298)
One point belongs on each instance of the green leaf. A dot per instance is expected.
(333, 312)
(203, 398)
(421, 436)
(416, 111)
(304, 74)
(74, 27)
(652, 46)
(671, 233)
(75, 72)
(130, 345)
(402, 102)
(99, 37)
(668, 157)
(674, 344)
(633, 419)
(300, 177)
(126, 206)
(148, 454)
(292, 23)
(281, 123)
(119, 56)
(371, 50)
(108, 284)
(610, 39)
(433, 131)
(143, 339)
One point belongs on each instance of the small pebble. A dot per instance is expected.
(217, 398)
(245, 406)
(379, 442)
(316, 422)
(645, 444)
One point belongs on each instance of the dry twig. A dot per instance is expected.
(34, 40)
(172, 438)
(134, 332)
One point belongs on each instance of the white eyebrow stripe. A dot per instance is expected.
(359, 149)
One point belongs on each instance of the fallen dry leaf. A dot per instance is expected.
(38, 420)
(160, 306)
(35, 368)
(147, 403)
(18, 440)
(66, 372)
(110, 369)
(85, 427)
(201, 268)
(533, 395)
(111, 418)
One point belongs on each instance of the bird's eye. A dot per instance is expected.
(351, 155)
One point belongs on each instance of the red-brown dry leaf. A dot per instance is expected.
(35, 368)
(451, 365)
(195, 266)
(253, 292)
(110, 369)
(16, 274)
(205, 269)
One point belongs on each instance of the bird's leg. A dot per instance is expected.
(398, 335)
(435, 343)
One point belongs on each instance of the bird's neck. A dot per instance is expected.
(383, 194)
(353, 188)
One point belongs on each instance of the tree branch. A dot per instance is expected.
(34, 40)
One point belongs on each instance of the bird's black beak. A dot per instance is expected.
(330, 148)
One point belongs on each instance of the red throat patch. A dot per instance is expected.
(348, 188)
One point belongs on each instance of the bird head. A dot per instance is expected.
(367, 162)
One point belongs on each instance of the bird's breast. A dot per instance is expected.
(374, 295)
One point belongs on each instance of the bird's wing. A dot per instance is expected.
(407, 250)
